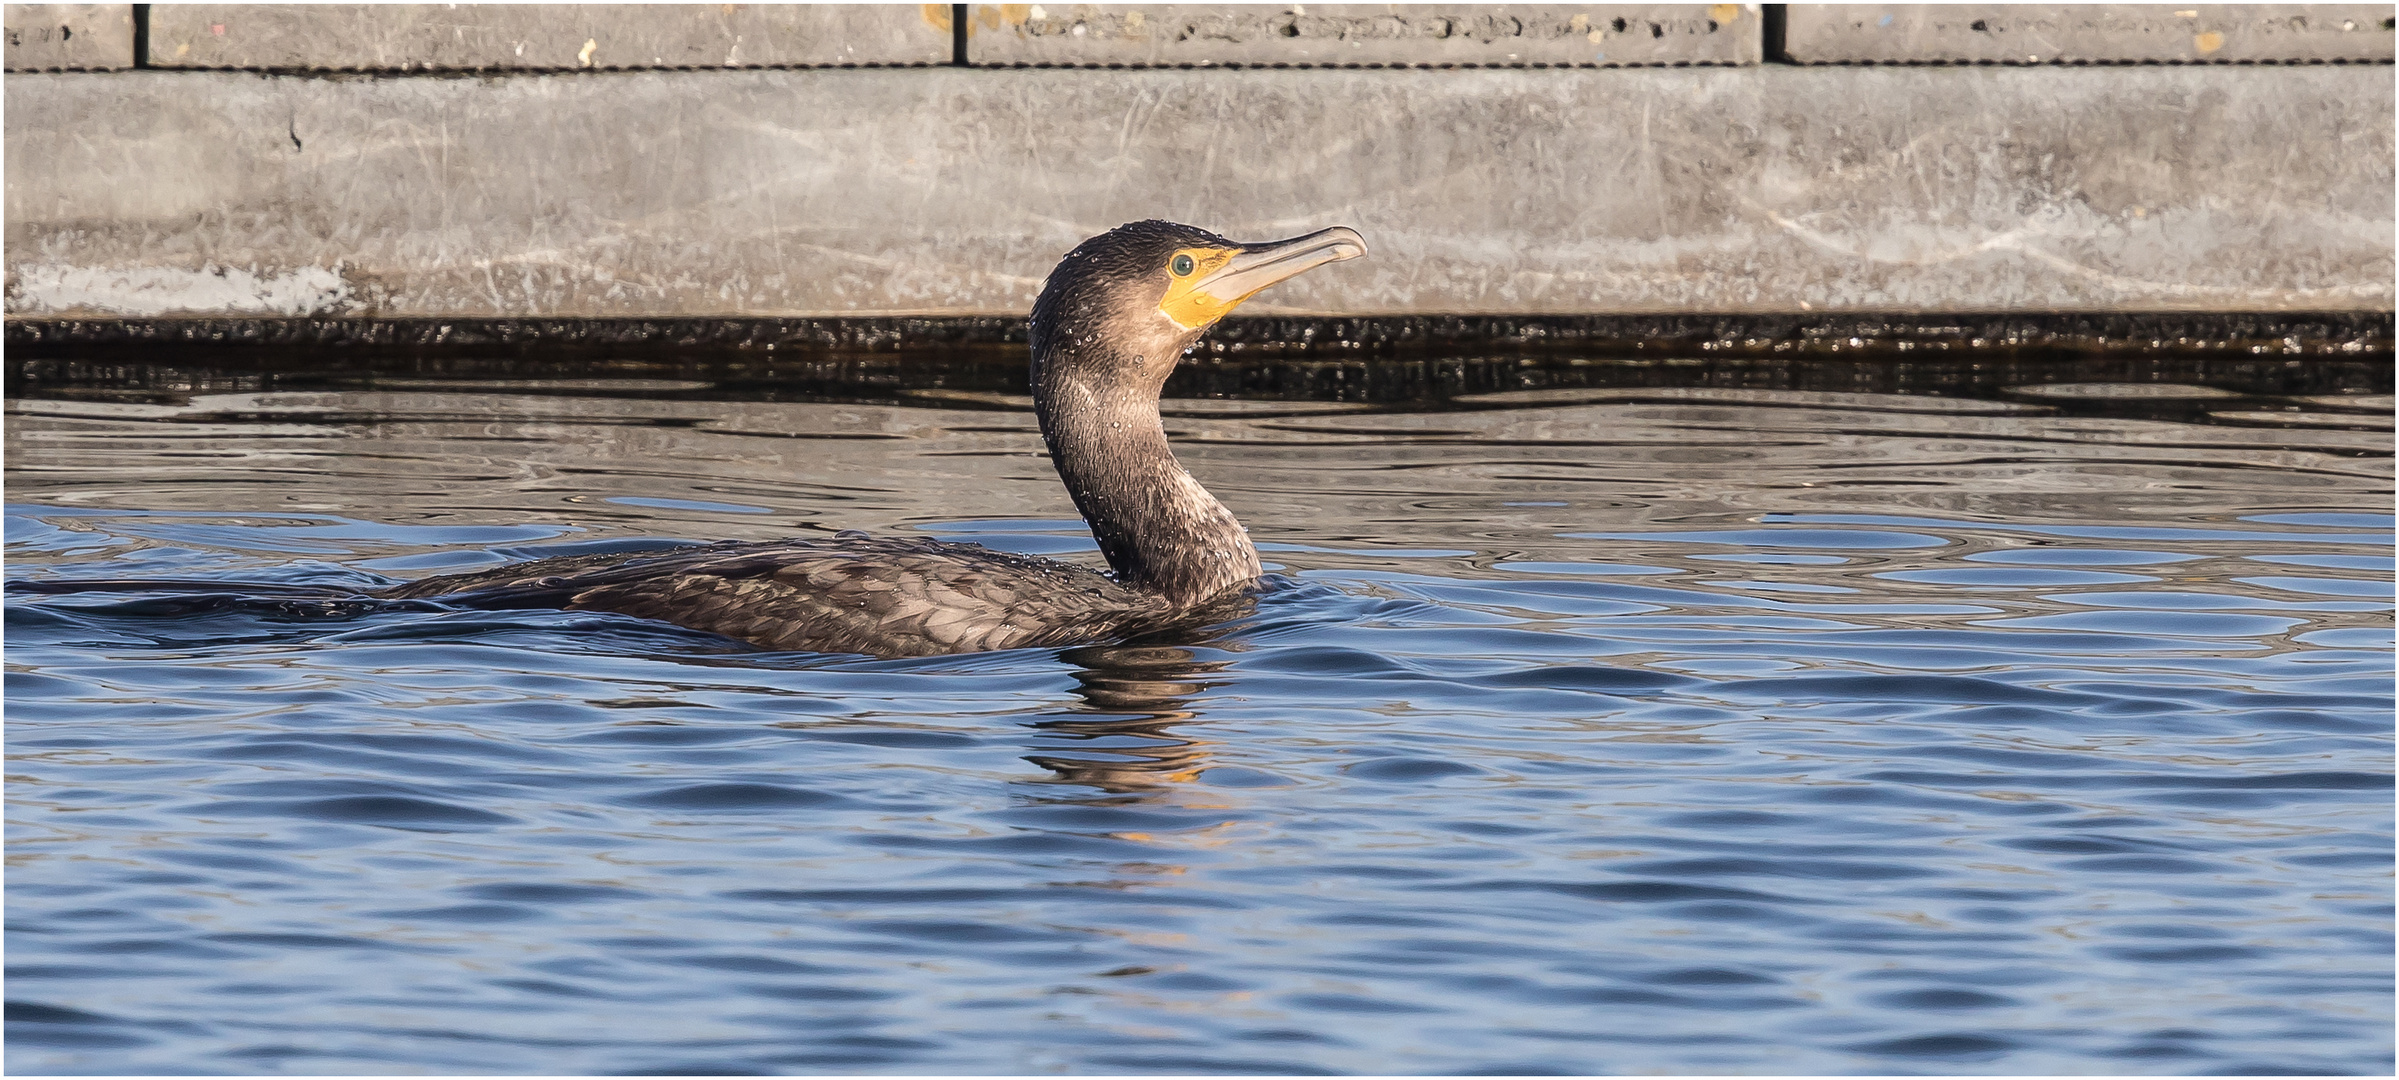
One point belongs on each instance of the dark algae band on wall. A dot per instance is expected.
(1415, 360)
(2330, 333)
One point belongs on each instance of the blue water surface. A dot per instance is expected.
(1711, 738)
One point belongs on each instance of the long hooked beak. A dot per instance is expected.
(1261, 265)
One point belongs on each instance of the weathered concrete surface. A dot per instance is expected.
(432, 37)
(69, 37)
(953, 191)
(2076, 33)
(1495, 35)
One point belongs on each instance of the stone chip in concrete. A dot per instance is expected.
(2086, 33)
(69, 37)
(1488, 35)
(484, 37)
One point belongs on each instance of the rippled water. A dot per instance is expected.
(1586, 732)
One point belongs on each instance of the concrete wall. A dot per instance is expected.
(951, 190)
(2086, 33)
(502, 37)
(515, 37)
(69, 37)
(520, 37)
(1403, 35)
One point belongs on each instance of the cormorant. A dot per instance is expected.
(1109, 326)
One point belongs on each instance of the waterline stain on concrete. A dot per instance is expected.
(53, 288)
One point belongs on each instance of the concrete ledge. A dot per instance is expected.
(69, 37)
(1482, 35)
(2086, 33)
(504, 37)
(953, 191)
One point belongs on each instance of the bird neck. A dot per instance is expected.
(1159, 529)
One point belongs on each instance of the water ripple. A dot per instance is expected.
(1600, 737)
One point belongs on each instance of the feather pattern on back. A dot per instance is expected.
(883, 596)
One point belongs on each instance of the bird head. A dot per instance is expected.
(1139, 294)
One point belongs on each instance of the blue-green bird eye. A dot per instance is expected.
(1182, 265)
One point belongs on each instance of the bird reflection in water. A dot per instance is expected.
(1122, 737)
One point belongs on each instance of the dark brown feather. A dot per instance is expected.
(881, 596)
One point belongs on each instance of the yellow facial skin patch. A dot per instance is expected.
(1203, 283)
(1190, 306)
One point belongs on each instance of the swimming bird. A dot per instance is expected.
(1109, 326)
